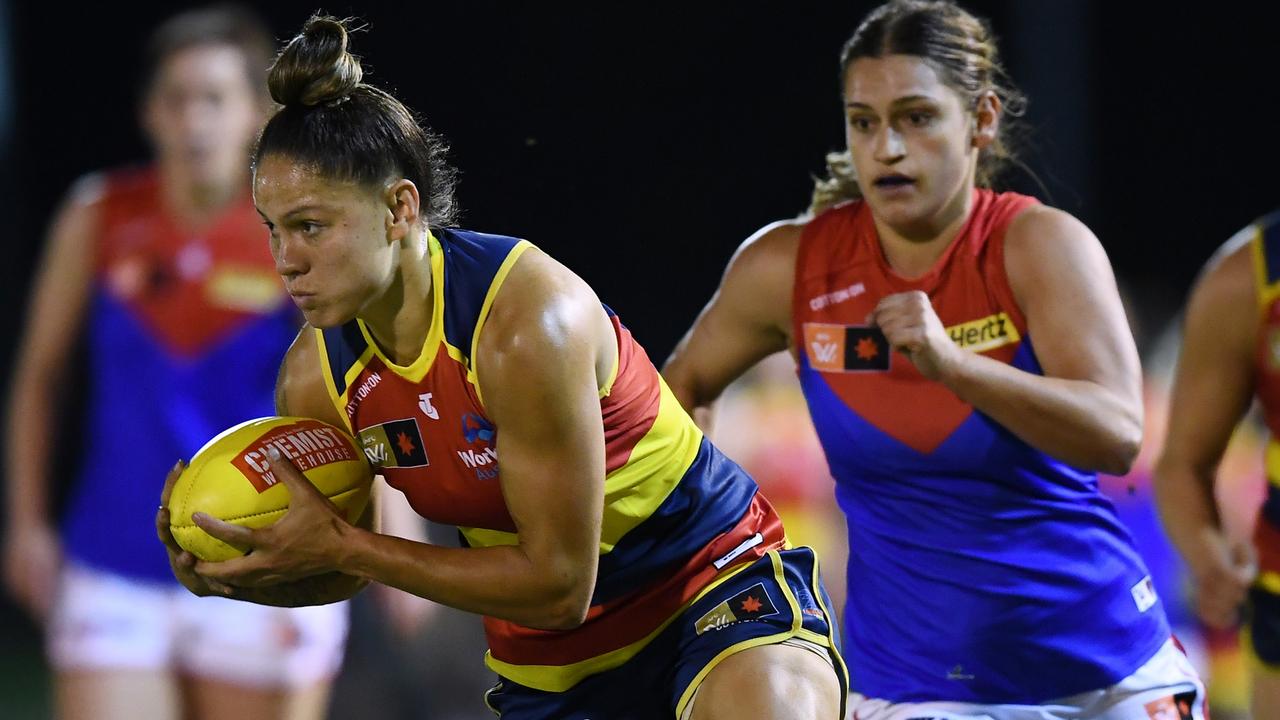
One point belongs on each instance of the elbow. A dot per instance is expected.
(1122, 451)
(568, 614)
(567, 604)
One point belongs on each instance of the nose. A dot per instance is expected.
(890, 147)
(290, 257)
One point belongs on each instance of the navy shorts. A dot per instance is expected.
(776, 598)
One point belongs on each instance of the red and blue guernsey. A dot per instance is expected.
(676, 511)
(980, 569)
(186, 330)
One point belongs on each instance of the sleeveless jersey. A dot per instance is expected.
(980, 569)
(185, 334)
(676, 511)
(1264, 239)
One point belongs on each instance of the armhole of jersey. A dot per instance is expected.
(1265, 289)
(1001, 287)
(804, 247)
(330, 387)
(93, 193)
(494, 286)
(617, 360)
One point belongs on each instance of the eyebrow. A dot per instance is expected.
(296, 211)
(896, 102)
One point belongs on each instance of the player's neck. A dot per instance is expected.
(400, 318)
(195, 204)
(913, 251)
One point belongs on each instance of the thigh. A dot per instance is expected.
(766, 630)
(115, 695)
(770, 682)
(257, 647)
(208, 699)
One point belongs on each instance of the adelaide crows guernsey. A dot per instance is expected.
(676, 511)
(186, 330)
(980, 569)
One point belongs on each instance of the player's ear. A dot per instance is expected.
(403, 208)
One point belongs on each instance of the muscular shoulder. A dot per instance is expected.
(83, 202)
(300, 387)
(1040, 229)
(1229, 280)
(770, 252)
(542, 311)
(758, 282)
(1043, 245)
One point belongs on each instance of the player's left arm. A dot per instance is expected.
(1087, 407)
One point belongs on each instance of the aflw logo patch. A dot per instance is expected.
(396, 444)
(985, 334)
(846, 348)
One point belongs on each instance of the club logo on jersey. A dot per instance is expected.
(846, 348)
(424, 404)
(1144, 594)
(307, 445)
(476, 430)
(395, 444)
(985, 334)
(750, 604)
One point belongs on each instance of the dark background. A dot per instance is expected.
(640, 144)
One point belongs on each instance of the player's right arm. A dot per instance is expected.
(1212, 390)
(32, 555)
(748, 319)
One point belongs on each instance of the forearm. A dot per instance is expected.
(501, 582)
(29, 427)
(1187, 508)
(315, 590)
(1077, 421)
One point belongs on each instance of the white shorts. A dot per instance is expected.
(1166, 687)
(102, 621)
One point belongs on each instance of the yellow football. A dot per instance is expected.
(229, 479)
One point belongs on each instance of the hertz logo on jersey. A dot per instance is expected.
(985, 334)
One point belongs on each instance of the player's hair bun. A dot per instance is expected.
(315, 67)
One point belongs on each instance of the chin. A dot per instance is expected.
(910, 218)
(321, 318)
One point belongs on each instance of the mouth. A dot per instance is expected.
(893, 181)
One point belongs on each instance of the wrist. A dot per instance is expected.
(953, 365)
(348, 556)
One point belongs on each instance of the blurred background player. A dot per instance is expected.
(987, 575)
(1230, 356)
(164, 273)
